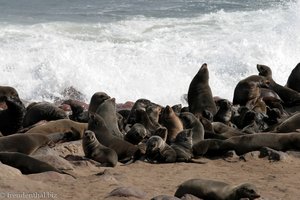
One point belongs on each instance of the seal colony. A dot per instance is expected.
(262, 114)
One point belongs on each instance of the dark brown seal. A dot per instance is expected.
(23, 143)
(42, 111)
(191, 122)
(8, 91)
(289, 97)
(294, 79)
(97, 99)
(290, 124)
(247, 143)
(27, 164)
(216, 190)
(248, 89)
(94, 150)
(125, 150)
(11, 118)
(107, 110)
(200, 97)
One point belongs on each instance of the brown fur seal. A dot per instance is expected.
(140, 104)
(125, 150)
(94, 150)
(79, 113)
(251, 142)
(200, 97)
(290, 124)
(107, 110)
(159, 151)
(11, 118)
(27, 164)
(61, 126)
(191, 122)
(216, 190)
(289, 97)
(137, 134)
(143, 118)
(224, 112)
(8, 91)
(97, 99)
(248, 89)
(172, 122)
(294, 79)
(183, 146)
(23, 143)
(42, 111)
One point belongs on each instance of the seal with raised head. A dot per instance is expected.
(42, 111)
(94, 150)
(107, 110)
(27, 164)
(97, 99)
(11, 118)
(294, 79)
(289, 96)
(200, 99)
(172, 122)
(23, 143)
(216, 190)
(140, 104)
(125, 150)
(190, 121)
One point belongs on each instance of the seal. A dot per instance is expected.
(289, 97)
(107, 110)
(250, 142)
(23, 143)
(8, 91)
(94, 150)
(294, 79)
(27, 164)
(224, 112)
(140, 104)
(79, 114)
(97, 99)
(190, 121)
(42, 111)
(183, 146)
(125, 150)
(172, 122)
(158, 150)
(199, 96)
(137, 134)
(143, 118)
(216, 190)
(11, 118)
(248, 89)
(290, 124)
(61, 126)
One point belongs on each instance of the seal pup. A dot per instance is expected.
(289, 97)
(97, 99)
(79, 114)
(143, 118)
(294, 79)
(11, 118)
(158, 150)
(107, 110)
(9, 92)
(137, 134)
(27, 164)
(23, 143)
(140, 104)
(42, 111)
(224, 112)
(94, 150)
(172, 122)
(125, 150)
(199, 96)
(216, 190)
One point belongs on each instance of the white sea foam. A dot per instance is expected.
(154, 58)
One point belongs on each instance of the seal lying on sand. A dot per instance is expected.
(216, 190)
(27, 164)
(247, 143)
(23, 143)
(98, 152)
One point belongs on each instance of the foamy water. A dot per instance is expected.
(149, 57)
